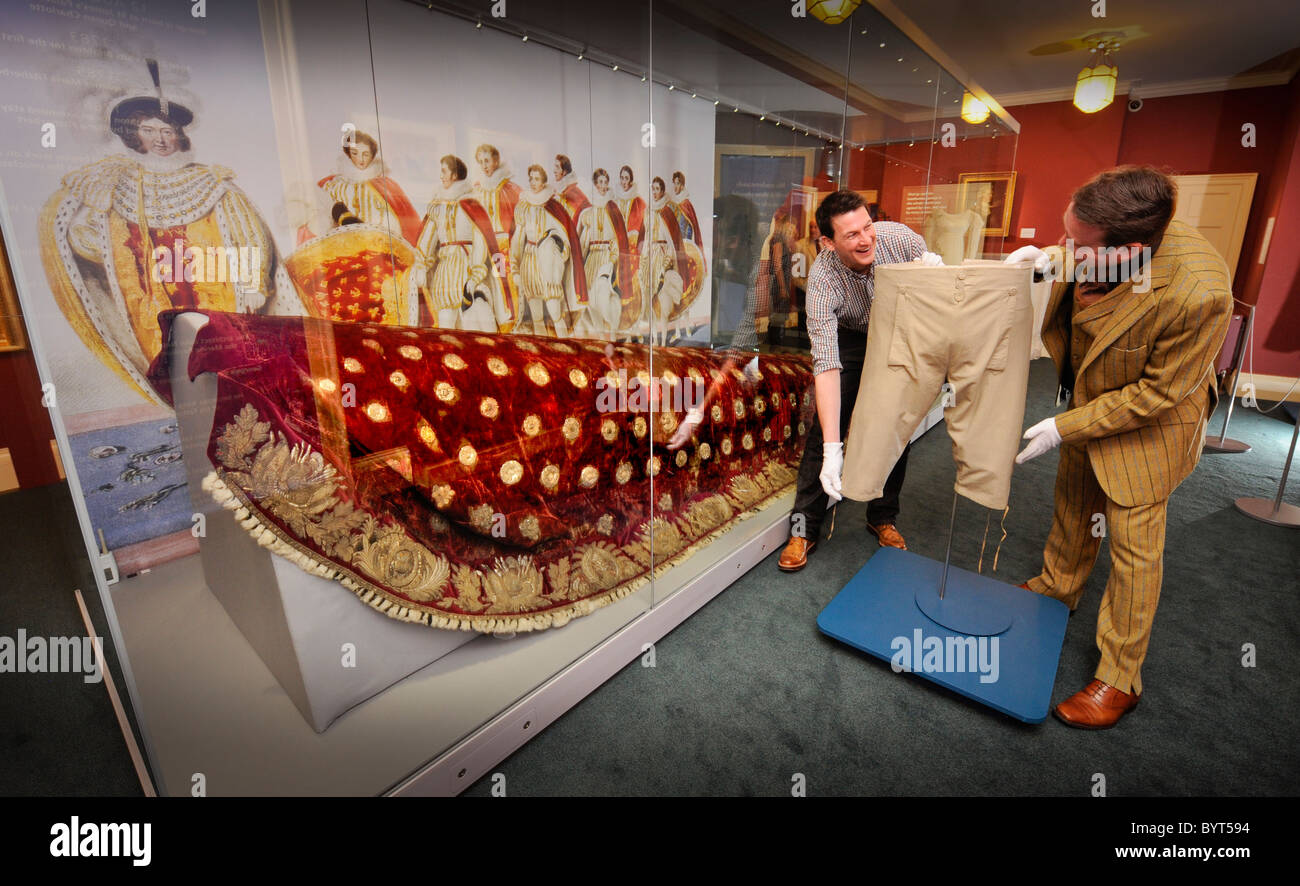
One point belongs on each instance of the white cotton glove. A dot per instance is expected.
(751, 370)
(1030, 253)
(686, 428)
(832, 467)
(930, 259)
(1042, 437)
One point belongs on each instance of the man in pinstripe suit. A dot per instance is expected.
(1138, 354)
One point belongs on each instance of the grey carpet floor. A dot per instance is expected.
(59, 736)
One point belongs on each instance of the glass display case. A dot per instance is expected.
(371, 332)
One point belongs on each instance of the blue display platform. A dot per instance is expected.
(1003, 653)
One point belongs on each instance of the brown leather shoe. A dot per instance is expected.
(888, 535)
(1099, 706)
(795, 555)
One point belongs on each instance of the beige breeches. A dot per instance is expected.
(968, 325)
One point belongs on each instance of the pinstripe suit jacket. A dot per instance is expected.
(1146, 386)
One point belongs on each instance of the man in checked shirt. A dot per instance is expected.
(840, 289)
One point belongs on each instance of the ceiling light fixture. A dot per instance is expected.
(1094, 89)
(832, 12)
(973, 109)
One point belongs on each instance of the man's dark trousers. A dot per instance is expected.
(810, 499)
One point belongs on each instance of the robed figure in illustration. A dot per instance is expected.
(567, 189)
(632, 206)
(362, 185)
(546, 257)
(149, 230)
(662, 279)
(687, 220)
(498, 194)
(454, 266)
(607, 258)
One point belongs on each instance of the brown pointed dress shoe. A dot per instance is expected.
(795, 555)
(888, 535)
(1099, 706)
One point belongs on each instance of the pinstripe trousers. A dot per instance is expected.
(1137, 548)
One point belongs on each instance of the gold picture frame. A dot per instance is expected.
(12, 335)
(1000, 187)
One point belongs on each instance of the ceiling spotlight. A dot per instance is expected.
(693, 95)
(882, 46)
(735, 109)
(643, 78)
(615, 68)
(580, 56)
(929, 81)
(525, 38)
(761, 119)
(900, 58)
(671, 87)
(715, 103)
(478, 25)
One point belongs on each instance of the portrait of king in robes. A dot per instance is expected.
(151, 229)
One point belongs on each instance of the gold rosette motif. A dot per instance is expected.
(395, 560)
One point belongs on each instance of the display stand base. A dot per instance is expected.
(1011, 669)
(1270, 511)
(1225, 445)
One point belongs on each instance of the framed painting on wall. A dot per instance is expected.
(990, 194)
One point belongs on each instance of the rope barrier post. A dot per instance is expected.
(1223, 443)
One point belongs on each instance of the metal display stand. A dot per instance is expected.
(1223, 443)
(988, 640)
(1276, 511)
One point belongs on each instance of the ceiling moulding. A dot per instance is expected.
(928, 46)
(1156, 90)
(755, 44)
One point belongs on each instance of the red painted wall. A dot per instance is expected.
(1059, 148)
(1275, 285)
